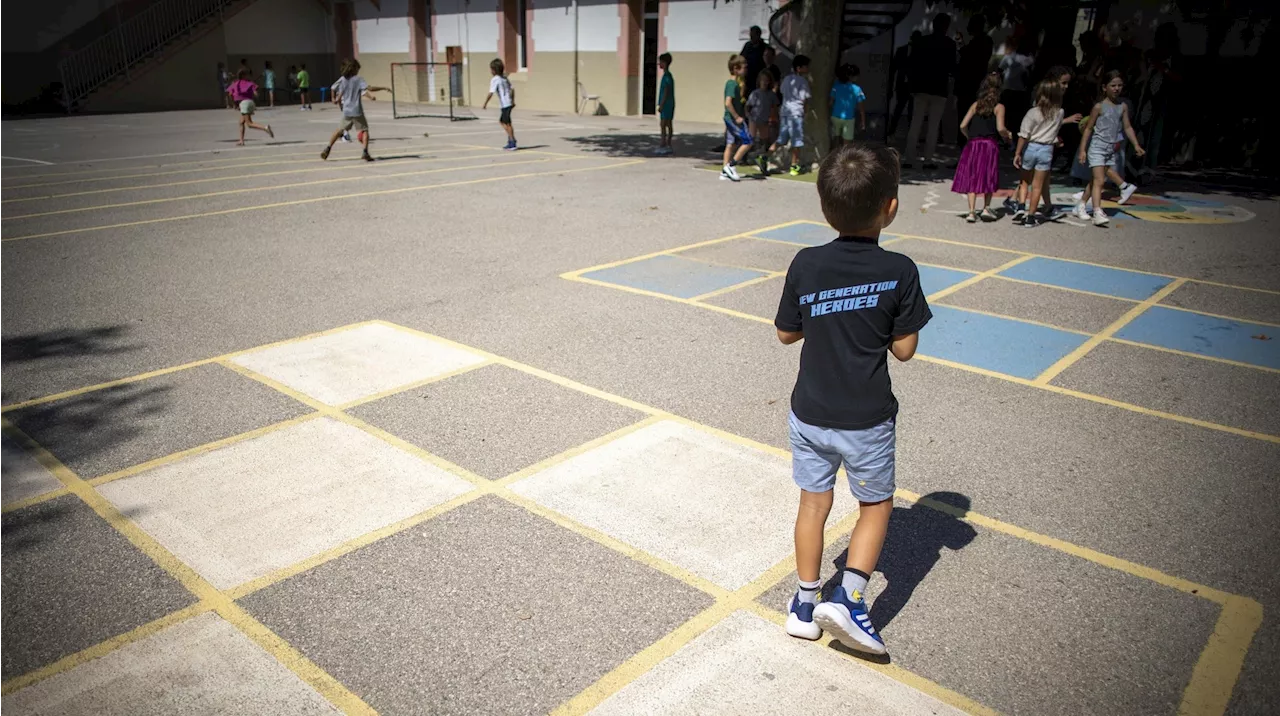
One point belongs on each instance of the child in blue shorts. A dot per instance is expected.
(852, 303)
(736, 131)
(796, 91)
(666, 104)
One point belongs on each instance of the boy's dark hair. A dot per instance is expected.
(350, 68)
(799, 61)
(267, 64)
(854, 71)
(854, 182)
(665, 58)
(842, 74)
(497, 67)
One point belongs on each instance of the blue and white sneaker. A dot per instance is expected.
(846, 619)
(800, 619)
(510, 146)
(1010, 205)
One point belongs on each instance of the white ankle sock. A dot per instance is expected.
(808, 591)
(853, 582)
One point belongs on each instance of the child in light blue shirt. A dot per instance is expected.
(846, 98)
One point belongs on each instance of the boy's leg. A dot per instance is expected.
(868, 537)
(813, 467)
(243, 119)
(811, 522)
(742, 151)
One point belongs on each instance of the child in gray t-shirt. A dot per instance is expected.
(760, 106)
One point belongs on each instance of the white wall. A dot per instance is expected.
(280, 27)
(473, 27)
(382, 30)
(704, 26)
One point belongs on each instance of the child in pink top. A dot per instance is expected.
(243, 91)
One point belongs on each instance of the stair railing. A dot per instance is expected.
(130, 43)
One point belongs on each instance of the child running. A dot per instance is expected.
(242, 92)
(351, 90)
(795, 93)
(736, 131)
(846, 98)
(666, 104)
(501, 86)
(852, 303)
(1101, 143)
(979, 169)
(1034, 155)
(760, 106)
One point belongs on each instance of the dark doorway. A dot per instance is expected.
(649, 93)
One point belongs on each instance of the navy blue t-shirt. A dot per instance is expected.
(850, 298)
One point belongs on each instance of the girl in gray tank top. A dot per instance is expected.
(1108, 122)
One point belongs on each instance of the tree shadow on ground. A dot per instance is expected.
(79, 426)
(917, 535)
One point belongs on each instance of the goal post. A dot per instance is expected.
(428, 89)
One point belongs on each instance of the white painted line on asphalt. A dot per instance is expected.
(33, 161)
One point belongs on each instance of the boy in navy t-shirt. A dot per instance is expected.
(852, 303)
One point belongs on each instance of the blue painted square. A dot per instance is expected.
(1205, 335)
(1098, 279)
(999, 344)
(674, 276)
(804, 234)
(934, 279)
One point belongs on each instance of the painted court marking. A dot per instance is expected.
(1208, 690)
(806, 233)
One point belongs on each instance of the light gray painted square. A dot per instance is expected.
(758, 299)
(747, 253)
(1054, 306)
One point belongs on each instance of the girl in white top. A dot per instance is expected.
(1034, 155)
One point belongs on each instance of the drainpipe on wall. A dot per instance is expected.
(574, 97)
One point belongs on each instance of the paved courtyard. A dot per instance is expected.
(466, 431)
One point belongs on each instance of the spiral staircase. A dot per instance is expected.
(861, 21)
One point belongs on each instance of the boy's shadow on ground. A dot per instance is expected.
(917, 535)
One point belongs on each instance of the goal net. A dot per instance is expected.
(428, 89)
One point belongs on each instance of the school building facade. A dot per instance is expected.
(558, 52)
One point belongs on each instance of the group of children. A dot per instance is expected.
(772, 114)
(1101, 150)
(299, 82)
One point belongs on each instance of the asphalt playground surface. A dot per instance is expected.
(472, 431)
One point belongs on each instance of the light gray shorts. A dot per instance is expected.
(868, 457)
(1101, 154)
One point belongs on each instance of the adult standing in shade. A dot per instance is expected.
(1016, 68)
(975, 57)
(753, 53)
(932, 64)
(900, 71)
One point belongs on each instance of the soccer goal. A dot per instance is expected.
(428, 89)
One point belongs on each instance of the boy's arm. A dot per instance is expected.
(728, 104)
(1128, 132)
(486, 101)
(789, 337)
(788, 321)
(904, 347)
(862, 115)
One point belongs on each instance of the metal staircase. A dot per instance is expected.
(862, 21)
(124, 51)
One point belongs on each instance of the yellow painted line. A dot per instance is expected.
(1083, 349)
(1189, 354)
(200, 449)
(35, 499)
(203, 163)
(728, 289)
(1064, 288)
(1218, 668)
(314, 159)
(279, 575)
(1007, 317)
(71, 661)
(893, 671)
(976, 278)
(1235, 286)
(295, 185)
(300, 202)
(675, 299)
(1237, 319)
(207, 594)
(677, 249)
(324, 166)
(578, 450)
(1085, 553)
(173, 369)
(416, 384)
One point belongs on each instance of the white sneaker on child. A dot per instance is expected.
(1126, 192)
(1082, 212)
(1100, 218)
(728, 172)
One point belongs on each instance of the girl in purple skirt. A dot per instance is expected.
(979, 169)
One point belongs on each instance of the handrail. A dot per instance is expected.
(130, 43)
(782, 24)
